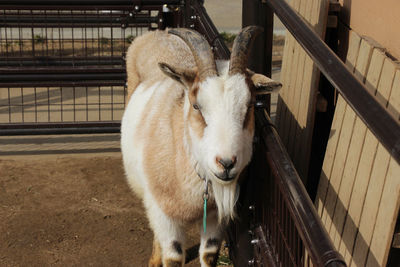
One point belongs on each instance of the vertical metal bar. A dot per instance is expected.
(60, 39)
(73, 38)
(11, 40)
(61, 104)
(22, 104)
(3, 16)
(43, 41)
(6, 38)
(84, 34)
(87, 104)
(35, 95)
(46, 34)
(73, 96)
(92, 50)
(99, 103)
(20, 37)
(33, 35)
(112, 34)
(112, 103)
(98, 38)
(9, 104)
(48, 104)
(299, 252)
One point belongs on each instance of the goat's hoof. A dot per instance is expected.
(173, 263)
(210, 259)
(155, 263)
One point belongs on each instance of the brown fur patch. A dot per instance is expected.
(197, 122)
(156, 256)
(196, 119)
(173, 263)
(194, 91)
(248, 122)
(210, 259)
(171, 174)
(249, 119)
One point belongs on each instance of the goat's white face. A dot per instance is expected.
(219, 118)
(221, 126)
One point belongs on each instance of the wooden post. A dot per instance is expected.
(256, 13)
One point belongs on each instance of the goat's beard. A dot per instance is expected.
(225, 199)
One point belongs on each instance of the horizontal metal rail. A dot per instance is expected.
(59, 128)
(73, 63)
(60, 77)
(63, 70)
(301, 208)
(71, 21)
(376, 117)
(87, 2)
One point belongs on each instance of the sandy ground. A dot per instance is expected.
(74, 210)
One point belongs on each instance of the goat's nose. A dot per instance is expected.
(227, 163)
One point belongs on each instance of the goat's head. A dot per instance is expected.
(219, 112)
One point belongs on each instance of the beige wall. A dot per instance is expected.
(379, 19)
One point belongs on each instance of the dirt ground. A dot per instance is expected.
(71, 211)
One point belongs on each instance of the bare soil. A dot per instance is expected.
(71, 211)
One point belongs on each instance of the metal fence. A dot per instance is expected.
(62, 65)
(277, 216)
(278, 225)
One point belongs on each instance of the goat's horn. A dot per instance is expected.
(241, 49)
(201, 51)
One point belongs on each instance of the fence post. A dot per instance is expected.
(253, 13)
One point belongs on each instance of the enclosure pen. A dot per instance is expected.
(62, 70)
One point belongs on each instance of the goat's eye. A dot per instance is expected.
(195, 106)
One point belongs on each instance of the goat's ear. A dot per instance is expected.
(265, 85)
(184, 76)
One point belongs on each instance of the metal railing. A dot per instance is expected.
(376, 117)
(277, 216)
(62, 65)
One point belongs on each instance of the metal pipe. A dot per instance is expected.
(302, 210)
(376, 117)
(64, 70)
(59, 128)
(75, 21)
(56, 83)
(4, 78)
(55, 61)
(87, 2)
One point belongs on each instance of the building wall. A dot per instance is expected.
(379, 20)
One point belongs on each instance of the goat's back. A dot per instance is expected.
(148, 50)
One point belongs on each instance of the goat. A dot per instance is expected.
(188, 126)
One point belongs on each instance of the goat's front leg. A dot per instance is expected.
(210, 241)
(169, 238)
